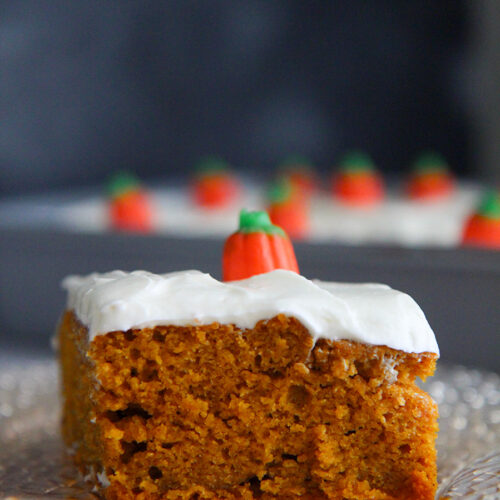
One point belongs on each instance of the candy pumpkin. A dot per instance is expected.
(430, 179)
(257, 247)
(214, 185)
(482, 228)
(300, 173)
(129, 205)
(357, 182)
(288, 208)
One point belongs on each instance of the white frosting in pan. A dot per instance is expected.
(369, 313)
(396, 221)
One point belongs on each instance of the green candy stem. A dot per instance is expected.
(356, 161)
(490, 205)
(258, 222)
(430, 162)
(280, 191)
(121, 183)
(211, 165)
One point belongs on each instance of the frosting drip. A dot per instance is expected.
(369, 313)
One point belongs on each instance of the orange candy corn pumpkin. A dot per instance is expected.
(482, 228)
(257, 247)
(430, 179)
(129, 207)
(357, 183)
(288, 208)
(214, 186)
(300, 173)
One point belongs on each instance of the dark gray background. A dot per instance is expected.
(89, 87)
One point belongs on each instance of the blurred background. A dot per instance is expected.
(150, 86)
(91, 87)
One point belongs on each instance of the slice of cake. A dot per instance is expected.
(178, 386)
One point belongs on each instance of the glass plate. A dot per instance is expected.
(32, 463)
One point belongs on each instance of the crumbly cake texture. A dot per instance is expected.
(216, 412)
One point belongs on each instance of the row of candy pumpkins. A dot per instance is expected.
(355, 183)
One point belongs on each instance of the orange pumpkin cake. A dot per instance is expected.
(178, 386)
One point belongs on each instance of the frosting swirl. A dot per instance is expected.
(369, 313)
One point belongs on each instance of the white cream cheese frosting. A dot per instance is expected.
(396, 221)
(369, 313)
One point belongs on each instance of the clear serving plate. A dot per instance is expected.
(33, 464)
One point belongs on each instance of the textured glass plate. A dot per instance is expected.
(32, 463)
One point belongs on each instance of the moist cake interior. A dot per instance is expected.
(216, 412)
